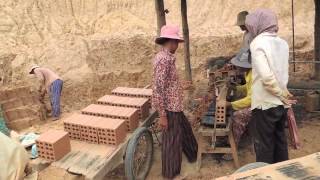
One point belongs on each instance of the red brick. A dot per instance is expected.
(140, 103)
(133, 92)
(131, 115)
(89, 132)
(72, 125)
(111, 131)
(10, 104)
(20, 124)
(3, 96)
(220, 114)
(19, 113)
(53, 145)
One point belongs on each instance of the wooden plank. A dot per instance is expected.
(208, 132)
(84, 163)
(109, 164)
(67, 161)
(81, 150)
(216, 150)
(234, 150)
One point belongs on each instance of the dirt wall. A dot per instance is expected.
(100, 44)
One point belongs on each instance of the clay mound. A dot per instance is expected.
(21, 107)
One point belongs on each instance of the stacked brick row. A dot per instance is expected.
(53, 145)
(133, 92)
(105, 123)
(139, 103)
(93, 129)
(130, 115)
(21, 107)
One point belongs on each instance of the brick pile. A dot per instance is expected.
(21, 108)
(133, 92)
(93, 129)
(109, 121)
(130, 115)
(53, 145)
(139, 103)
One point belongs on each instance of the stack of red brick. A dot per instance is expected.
(133, 92)
(21, 107)
(105, 123)
(53, 145)
(94, 129)
(130, 115)
(139, 103)
(108, 121)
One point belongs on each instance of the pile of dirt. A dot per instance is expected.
(100, 44)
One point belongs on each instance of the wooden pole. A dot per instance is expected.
(161, 15)
(293, 44)
(185, 28)
(317, 39)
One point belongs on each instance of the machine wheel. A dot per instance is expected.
(139, 154)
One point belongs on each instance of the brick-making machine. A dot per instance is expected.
(213, 115)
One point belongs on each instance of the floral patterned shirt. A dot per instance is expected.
(167, 91)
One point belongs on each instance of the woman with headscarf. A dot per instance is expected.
(270, 97)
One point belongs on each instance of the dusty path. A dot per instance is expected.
(211, 168)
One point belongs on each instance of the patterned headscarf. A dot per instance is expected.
(260, 21)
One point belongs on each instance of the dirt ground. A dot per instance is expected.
(211, 168)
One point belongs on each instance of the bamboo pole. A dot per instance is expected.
(185, 28)
(317, 39)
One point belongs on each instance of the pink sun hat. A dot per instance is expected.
(169, 32)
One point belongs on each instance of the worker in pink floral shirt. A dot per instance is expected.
(177, 135)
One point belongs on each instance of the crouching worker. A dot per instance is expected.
(52, 83)
(177, 135)
(242, 114)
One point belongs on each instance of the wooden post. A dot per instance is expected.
(161, 15)
(185, 28)
(317, 39)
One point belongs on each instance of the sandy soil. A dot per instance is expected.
(100, 44)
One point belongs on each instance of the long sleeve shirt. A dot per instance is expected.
(244, 89)
(246, 40)
(167, 91)
(46, 77)
(270, 64)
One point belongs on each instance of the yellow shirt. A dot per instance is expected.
(244, 89)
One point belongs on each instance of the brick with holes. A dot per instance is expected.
(111, 131)
(133, 92)
(139, 103)
(220, 114)
(53, 145)
(130, 115)
(72, 125)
